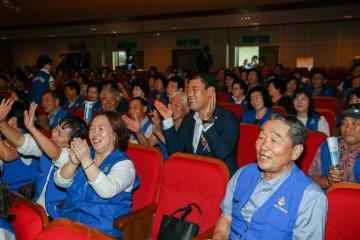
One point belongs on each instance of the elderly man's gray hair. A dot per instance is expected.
(297, 130)
(112, 91)
(183, 96)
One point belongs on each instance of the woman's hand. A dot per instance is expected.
(29, 116)
(5, 107)
(73, 159)
(81, 149)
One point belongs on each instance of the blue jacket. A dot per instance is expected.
(222, 138)
(79, 103)
(326, 162)
(40, 84)
(312, 122)
(84, 205)
(276, 218)
(17, 174)
(326, 91)
(54, 195)
(250, 116)
(57, 117)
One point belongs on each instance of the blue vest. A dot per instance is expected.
(84, 205)
(276, 218)
(17, 174)
(4, 224)
(40, 84)
(57, 117)
(326, 162)
(250, 116)
(54, 195)
(79, 102)
(312, 122)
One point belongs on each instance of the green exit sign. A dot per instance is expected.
(126, 45)
(256, 39)
(77, 46)
(192, 42)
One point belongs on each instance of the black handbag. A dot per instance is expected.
(172, 228)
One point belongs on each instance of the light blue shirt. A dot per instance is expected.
(311, 217)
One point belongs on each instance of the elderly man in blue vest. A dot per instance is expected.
(273, 199)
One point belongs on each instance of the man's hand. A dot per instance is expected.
(131, 124)
(335, 175)
(156, 123)
(165, 112)
(5, 107)
(209, 111)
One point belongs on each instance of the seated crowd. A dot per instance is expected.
(79, 169)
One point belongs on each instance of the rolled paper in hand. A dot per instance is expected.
(88, 108)
(334, 151)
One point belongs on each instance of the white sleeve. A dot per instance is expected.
(168, 123)
(121, 178)
(60, 181)
(323, 126)
(63, 158)
(149, 131)
(29, 147)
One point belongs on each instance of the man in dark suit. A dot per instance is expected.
(208, 131)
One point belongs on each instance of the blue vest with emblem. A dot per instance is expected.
(4, 224)
(312, 122)
(79, 103)
(17, 174)
(84, 205)
(54, 195)
(57, 117)
(326, 162)
(276, 218)
(40, 84)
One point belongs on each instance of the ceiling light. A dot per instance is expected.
(93, 28)
(3, 38)
(348, 17)
(255, 23)
(245, 18)
(51, 35)
(114, 32)
(174, 28)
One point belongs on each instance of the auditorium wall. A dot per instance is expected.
(330, 43)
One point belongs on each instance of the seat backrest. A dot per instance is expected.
(279, 109)
(246, 151)
(312, 143)
(235, 108)
(330, 117)
(30, 218)
(223, 97)
(148, 163)
(191, 178)
(330, 103)
(343, 214)
(66, 229)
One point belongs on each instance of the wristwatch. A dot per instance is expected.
(208, 121)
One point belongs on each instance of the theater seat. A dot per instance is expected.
(330, 118)
(148, 163)
(223, 97)
(66, 229)
(312, 143)
(343, 212)
(330, 103)
(30, 218)
(279, 109)
(246, 151)
(235, 108)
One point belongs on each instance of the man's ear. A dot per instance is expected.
(296, 152)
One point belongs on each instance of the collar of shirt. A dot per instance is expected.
(143, 122)
(45, 70)
(236, 101)
(276, 182)
(344, 147)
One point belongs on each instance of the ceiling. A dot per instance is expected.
(49, 18)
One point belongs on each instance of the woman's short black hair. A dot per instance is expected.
(77, 126)
(278, 84)
(5, 203)
(143, 85)
(242, 85)
(266, 98)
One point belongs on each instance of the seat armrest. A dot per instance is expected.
(122, 222)
(205, 235)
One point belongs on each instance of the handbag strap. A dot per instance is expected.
(187, 210)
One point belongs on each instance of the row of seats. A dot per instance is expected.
(183, 179)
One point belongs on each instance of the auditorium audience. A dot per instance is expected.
(51, 103)
(99, 178)
(239, 91)
(276, 89)
(253, 78)
(93, 95)
(292, 84)
(111, 101)
(318, 85)
(74, 101)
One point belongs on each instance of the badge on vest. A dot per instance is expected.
(280, 203)
(106, 167)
